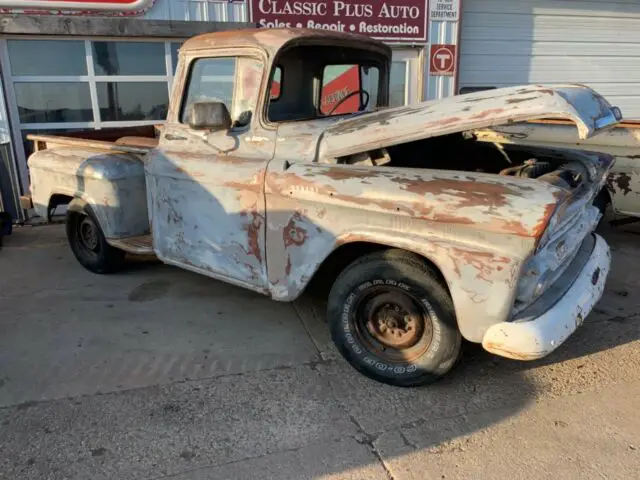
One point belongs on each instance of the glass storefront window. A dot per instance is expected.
(129, 58)
(53, 102)
(128, 101)
(398, 84)
(47, 57)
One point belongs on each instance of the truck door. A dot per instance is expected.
(205, 187)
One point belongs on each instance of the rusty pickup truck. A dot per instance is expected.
(425, 235)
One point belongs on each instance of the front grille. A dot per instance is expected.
(562, 284)
(548, 265)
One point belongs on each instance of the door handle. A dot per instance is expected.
(170, 136)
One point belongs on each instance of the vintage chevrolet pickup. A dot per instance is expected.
(426, 235)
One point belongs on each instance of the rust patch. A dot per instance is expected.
(449, 121)
(293, 234)
(287, 268)
(542, 224)
(471, 193)
(253, 235)
(515, 227)
(619, 181)
(483, 262)
(520, 100)
(487, 113)
(544, 91)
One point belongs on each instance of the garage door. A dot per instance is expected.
(511, 42)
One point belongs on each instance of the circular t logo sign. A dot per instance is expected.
(443, 59)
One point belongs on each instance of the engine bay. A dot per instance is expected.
(462, 152)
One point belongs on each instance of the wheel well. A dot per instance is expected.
(341, 257)
(56, 200)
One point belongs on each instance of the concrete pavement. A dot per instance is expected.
(160, 373)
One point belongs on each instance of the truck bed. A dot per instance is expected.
(125, 139)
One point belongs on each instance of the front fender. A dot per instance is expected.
(481, 278)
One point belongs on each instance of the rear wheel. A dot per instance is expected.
(89, 245)
(393, 320)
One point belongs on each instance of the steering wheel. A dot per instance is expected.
(349, 95)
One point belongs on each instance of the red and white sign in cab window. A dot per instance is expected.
(443, 60)
(104, 7)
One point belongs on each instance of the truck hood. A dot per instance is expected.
(392, 126)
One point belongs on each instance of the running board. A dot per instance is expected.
(141, 245)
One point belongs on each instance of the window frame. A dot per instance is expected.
(187, 83)
(175, 112)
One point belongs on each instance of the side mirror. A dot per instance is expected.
(209, 116)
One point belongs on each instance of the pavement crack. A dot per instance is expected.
(369, 439)
(406, 440)
(301, 317)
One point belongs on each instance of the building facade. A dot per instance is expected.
(65, 69)
(100, 64)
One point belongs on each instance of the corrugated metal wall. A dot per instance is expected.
(506, 42)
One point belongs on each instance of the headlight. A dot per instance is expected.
(542, 284)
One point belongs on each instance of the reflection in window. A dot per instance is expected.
(47, 57)
(126, 101)
(211, 80)
(53, 102)
(398, 84)
(371, 84)
(174, 55)
(129, 58)
(276, 84)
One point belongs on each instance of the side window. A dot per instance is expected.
(234, 81)
(340, 84)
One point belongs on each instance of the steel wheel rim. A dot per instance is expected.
(393, 324)
(88, 235)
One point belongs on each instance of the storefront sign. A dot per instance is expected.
(443, 60)
(448, 10)
(105, 7)
(392, 20)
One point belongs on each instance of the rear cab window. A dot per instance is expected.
(348, 89)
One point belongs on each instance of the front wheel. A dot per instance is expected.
(89, 245)
(393, 320)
